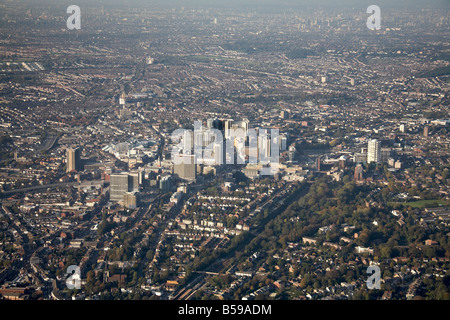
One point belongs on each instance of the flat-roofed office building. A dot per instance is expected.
(185, 167)
(119, 185)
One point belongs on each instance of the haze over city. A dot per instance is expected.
(224, 150)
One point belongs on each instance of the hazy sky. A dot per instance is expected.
(198, 4)
(299, 3)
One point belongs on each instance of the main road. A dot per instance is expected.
(46, 186)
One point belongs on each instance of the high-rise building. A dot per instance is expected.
(122, 183)
(291, 152)
(245, 123)
(118, 186)
(141, 175)
(188, 142)
(73, 159)
(385, 154)
(209, 123)
(122, 99)
(283, 142)
(227, 125)
(133, 182)
(284, 114)
(359, 173)
(219, 153)
(374, 151)
(215, 124)
(165, 184)
(130, 200)
(185, 167)
(264, 145)
(425, 131)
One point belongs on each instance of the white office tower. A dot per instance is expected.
(122, 99)
(263, 144)
(219, 154)
(227, 125)
(188, 142)
(239, 144)
(374, 151)
(245, 124)
(209, 123)
(199, 139)
(235, 141)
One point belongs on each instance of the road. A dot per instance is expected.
(47, 144)
(46, 186)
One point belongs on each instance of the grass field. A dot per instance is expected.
(420, 204)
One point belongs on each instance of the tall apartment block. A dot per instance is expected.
(374, 151)
(73, 159)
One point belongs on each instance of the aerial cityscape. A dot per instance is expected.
(194, 150)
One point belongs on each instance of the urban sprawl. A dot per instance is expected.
(357, 174)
